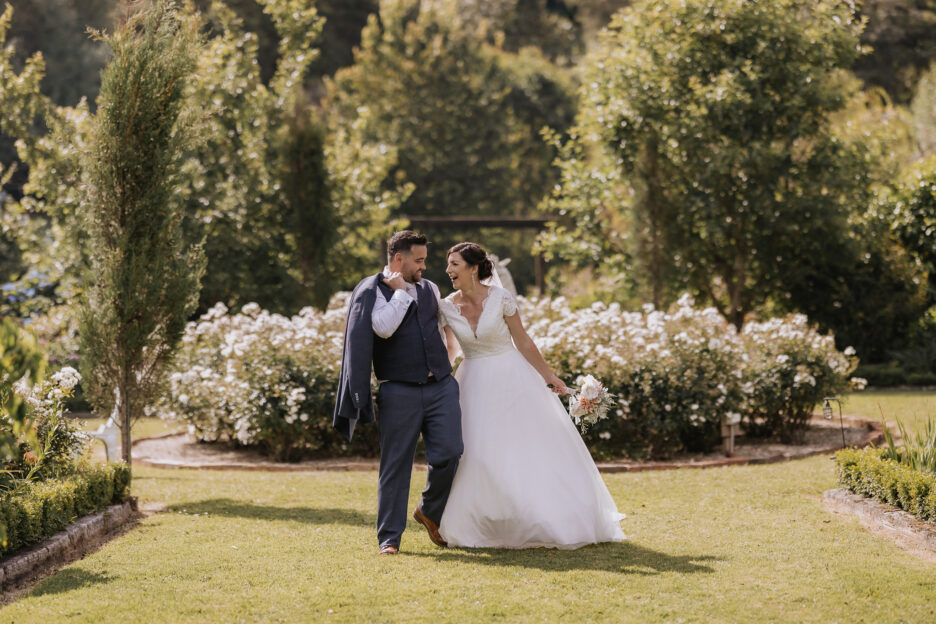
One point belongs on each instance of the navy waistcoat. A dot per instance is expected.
(415, 349)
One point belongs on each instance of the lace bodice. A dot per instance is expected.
(491, 337)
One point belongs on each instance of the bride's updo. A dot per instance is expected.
(474, 255)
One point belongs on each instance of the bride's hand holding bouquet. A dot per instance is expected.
(557, 385)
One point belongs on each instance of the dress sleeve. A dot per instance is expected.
(443, 317)
(509, 303)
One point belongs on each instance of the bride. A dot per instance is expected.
(526, 478)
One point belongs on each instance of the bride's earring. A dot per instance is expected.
(474, 280)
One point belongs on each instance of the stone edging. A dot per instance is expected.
(906, 530)
(73, 542)
(875, 435)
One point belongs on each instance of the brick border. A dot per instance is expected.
(72, 543)
(875, 435)
(906, 530)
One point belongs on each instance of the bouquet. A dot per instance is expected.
(590, 404)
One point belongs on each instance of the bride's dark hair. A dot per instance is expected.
(474, 254)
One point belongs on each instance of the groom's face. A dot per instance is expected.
(412, 263)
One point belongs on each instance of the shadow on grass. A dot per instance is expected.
(623, 558)
(239, 509)
(70, 579)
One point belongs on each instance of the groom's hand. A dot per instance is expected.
(395, 281)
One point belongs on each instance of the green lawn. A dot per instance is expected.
(912, 407)
(143, 427)
(740, 544)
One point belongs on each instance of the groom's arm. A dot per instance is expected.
(387, 315)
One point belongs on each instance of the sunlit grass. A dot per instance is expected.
(143, 427)
(738, 544)
(910, 407)
(742, 544)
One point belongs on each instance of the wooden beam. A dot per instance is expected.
(530, 223)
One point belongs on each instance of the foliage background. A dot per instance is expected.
(328, 123)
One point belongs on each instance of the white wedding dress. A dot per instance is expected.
(526, 478)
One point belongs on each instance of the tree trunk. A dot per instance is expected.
(653, 208)
(736, 291)
(125, 424)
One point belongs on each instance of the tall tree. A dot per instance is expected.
(144, 280)
(462, 114)
(718, 114)
(56, 30)
(435, 91)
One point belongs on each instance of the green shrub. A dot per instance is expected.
(891, 374)
(36, 510)
(929, 505)
(58, 504)
(885, 375)
(870, 472)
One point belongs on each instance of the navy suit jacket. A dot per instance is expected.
(354, 403)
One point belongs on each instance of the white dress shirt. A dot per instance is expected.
(387, 315)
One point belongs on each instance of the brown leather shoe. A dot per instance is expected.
(431, 527)
(388, 550)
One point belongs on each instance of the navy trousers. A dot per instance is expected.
(404, 412)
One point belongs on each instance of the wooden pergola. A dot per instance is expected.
(511, 223)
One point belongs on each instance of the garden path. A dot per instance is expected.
(179, 450)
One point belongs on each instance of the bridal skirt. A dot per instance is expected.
(526, 478)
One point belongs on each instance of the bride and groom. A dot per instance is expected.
(506, 466)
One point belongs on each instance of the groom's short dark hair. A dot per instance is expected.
(403, 240)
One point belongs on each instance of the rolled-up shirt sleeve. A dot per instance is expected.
(387, 315)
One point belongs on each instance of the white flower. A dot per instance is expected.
(858, 383)
(591, 387)
(66, 378)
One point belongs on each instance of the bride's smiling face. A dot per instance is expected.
(459, 271)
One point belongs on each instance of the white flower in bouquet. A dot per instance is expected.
(591, 403)
(591, 388)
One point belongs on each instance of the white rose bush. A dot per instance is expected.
(790, 369)
(267, 381)
(674, 374)
(263, 380)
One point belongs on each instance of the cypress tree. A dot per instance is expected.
(143, 280)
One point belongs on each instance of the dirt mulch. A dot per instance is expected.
(823, 437)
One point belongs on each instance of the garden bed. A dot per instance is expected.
(23, 568)
(822, 437)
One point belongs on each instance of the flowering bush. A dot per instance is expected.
(51, 445)
(263, 380)
(266, 380)
(790, 368)
(675, 374)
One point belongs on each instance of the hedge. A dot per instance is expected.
(866, 472)
(35, 511)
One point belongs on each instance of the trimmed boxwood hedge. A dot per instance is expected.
(35, 511)
(865, 472)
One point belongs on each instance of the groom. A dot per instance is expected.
(393, 323)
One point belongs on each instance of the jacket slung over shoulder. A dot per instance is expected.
(354, 403)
